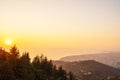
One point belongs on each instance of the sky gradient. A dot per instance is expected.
(58, 28)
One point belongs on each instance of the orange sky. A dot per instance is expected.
(60, 28)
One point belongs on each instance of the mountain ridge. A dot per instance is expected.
(111, 58)
(89, 69)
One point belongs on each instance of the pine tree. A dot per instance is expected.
(13, 59)
(39, 73)
(24, 69)
(62, 74)
(54, 73)
(6, 72)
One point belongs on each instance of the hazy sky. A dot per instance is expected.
(58, 28)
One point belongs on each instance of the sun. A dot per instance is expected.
(8, 42)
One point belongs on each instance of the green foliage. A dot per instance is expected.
(24, 69)
(16, 67)
(62, 74)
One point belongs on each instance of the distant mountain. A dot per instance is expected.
(112, 59)
(88, 70)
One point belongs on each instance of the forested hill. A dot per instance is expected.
(89, 69)
(16, 67)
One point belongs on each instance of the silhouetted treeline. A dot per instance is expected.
(16, 67)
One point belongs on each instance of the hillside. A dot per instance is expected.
(111, 58)
(89, 70)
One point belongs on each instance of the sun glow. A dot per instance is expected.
(8, 42)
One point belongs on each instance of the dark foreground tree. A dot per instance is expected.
(62, 74)
(6, 72)
(24, 69)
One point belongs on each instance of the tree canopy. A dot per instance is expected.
(16, 67)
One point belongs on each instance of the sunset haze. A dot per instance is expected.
(58, 28)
